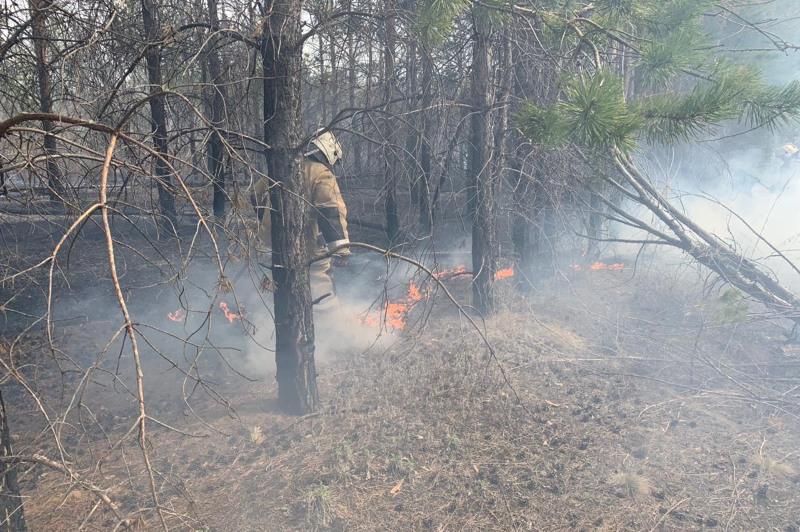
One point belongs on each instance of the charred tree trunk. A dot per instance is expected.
(158, 113)
(12, 517)
(281, 56)
(390, 138)
(216, 153)
(55, 179)
(484, 240)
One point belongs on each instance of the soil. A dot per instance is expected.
(611, 400)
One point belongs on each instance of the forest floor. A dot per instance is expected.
(617, 400)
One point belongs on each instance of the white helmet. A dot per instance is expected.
(790, 149)
(329, 146)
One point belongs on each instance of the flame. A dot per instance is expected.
(394, 313)
(414, 294)
(603, 266)
(178, 315)
(616, 266)
(505, 273)
(229, 314)
(451, 272)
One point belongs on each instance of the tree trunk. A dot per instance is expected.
(294, 326)
(12, 517)
(484, 240)
(55, 179)
(352, 80)
(389, 136)
(594, 226)
(425, 214)
(412, 134)
(215, 149)
(158, 113)
(520, 221)
(522, 198)
(323, 78)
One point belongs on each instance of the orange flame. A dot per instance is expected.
(394, 313)
(452, 272)
(178, 315)
(414, 294)
(505, 273)
(603, 266)
(229, 314)
(616, 266)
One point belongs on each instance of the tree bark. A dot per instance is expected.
(294, 326)
(425, 212)
(12, 517)
(389, 136)
(55, 179)
(412, 134)
(482, 189)
(352, 80)
(158, 113)
(216, 153)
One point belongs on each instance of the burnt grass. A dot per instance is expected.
(625, 402)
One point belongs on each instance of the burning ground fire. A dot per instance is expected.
(616, 266)
(394, 313)
(180, 314)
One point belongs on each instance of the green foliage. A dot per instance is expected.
(594, 114)
(667, 16)
(618, 8)
(662, 60)
(595, 111)
(543, 125)
(671, 118)
(435, 19)
(772, 106)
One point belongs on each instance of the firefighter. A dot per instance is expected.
(326, 226)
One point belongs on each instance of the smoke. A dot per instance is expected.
(747, 194)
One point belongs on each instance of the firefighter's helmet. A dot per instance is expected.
(790, 149)
(330, 148)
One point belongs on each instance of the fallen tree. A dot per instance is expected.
(681, 95)
(706, 248)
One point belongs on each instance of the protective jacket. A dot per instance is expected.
(326, 225)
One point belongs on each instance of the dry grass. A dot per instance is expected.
(770, 466)
(429, 435)
(633, 485)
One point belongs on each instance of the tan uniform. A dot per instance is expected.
(326, 226)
